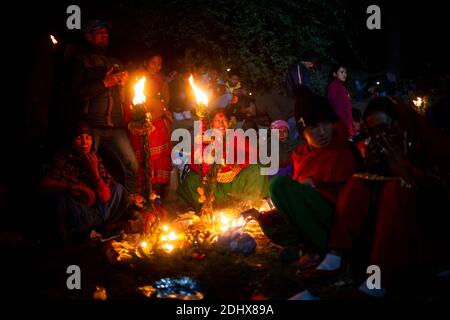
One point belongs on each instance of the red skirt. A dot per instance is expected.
(160, 152)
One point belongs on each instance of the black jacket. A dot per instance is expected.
(100, 106)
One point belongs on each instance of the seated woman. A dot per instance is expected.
(322, 166)
(286, 147)
(81, 188)
(235, 182)
(403, 199)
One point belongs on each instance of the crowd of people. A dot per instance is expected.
(381, 175)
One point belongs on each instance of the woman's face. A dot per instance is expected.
(284, 134)
(319, 135)
(82, 143)
(220, 122)
(154, 64)
(341, 74)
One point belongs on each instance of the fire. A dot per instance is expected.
(139, 96)
(418, 102)
(199, 94)
(225, 221)
(266, 205)
(167, 247)
(169, 239)
(54, 41)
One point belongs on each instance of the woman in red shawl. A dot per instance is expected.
(157, 94)
(322, 166)
(403, 198)
(236, 182)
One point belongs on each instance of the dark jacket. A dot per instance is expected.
(297, 74)
(98, 105)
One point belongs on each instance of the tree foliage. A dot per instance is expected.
(261, 38)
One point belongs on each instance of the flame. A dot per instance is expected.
(144, 244)
(169, 239)
(139, 96)
(54, 41)
(227, 221)
(199, 95)
(418, 102)
(173, 236)
(167, 247)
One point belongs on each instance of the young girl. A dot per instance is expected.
(157, 93)
(339, 98)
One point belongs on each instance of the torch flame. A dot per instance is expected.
(167, 247)
(139, 96)
(199, 95)
(418, 102)
(173, 236)
(54, 41)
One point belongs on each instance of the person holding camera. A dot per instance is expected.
(398, 208)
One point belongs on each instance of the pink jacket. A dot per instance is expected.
(340, 100)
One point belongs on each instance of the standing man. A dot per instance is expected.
(299, 73)
(99, 81)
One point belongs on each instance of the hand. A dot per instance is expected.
(394, 153)
(396, 158)
(113, 79)
(123, 77)
(374, 154)
(82, 194)
(168, 115)
(91, 162)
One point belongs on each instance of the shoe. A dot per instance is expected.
(317, 275)
(309, 261)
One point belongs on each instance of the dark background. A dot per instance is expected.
(413, 33)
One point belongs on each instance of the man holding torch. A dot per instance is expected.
(98, 81)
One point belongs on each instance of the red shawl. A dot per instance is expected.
(328, 167)
(228, 166)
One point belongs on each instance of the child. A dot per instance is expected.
(339, 98)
